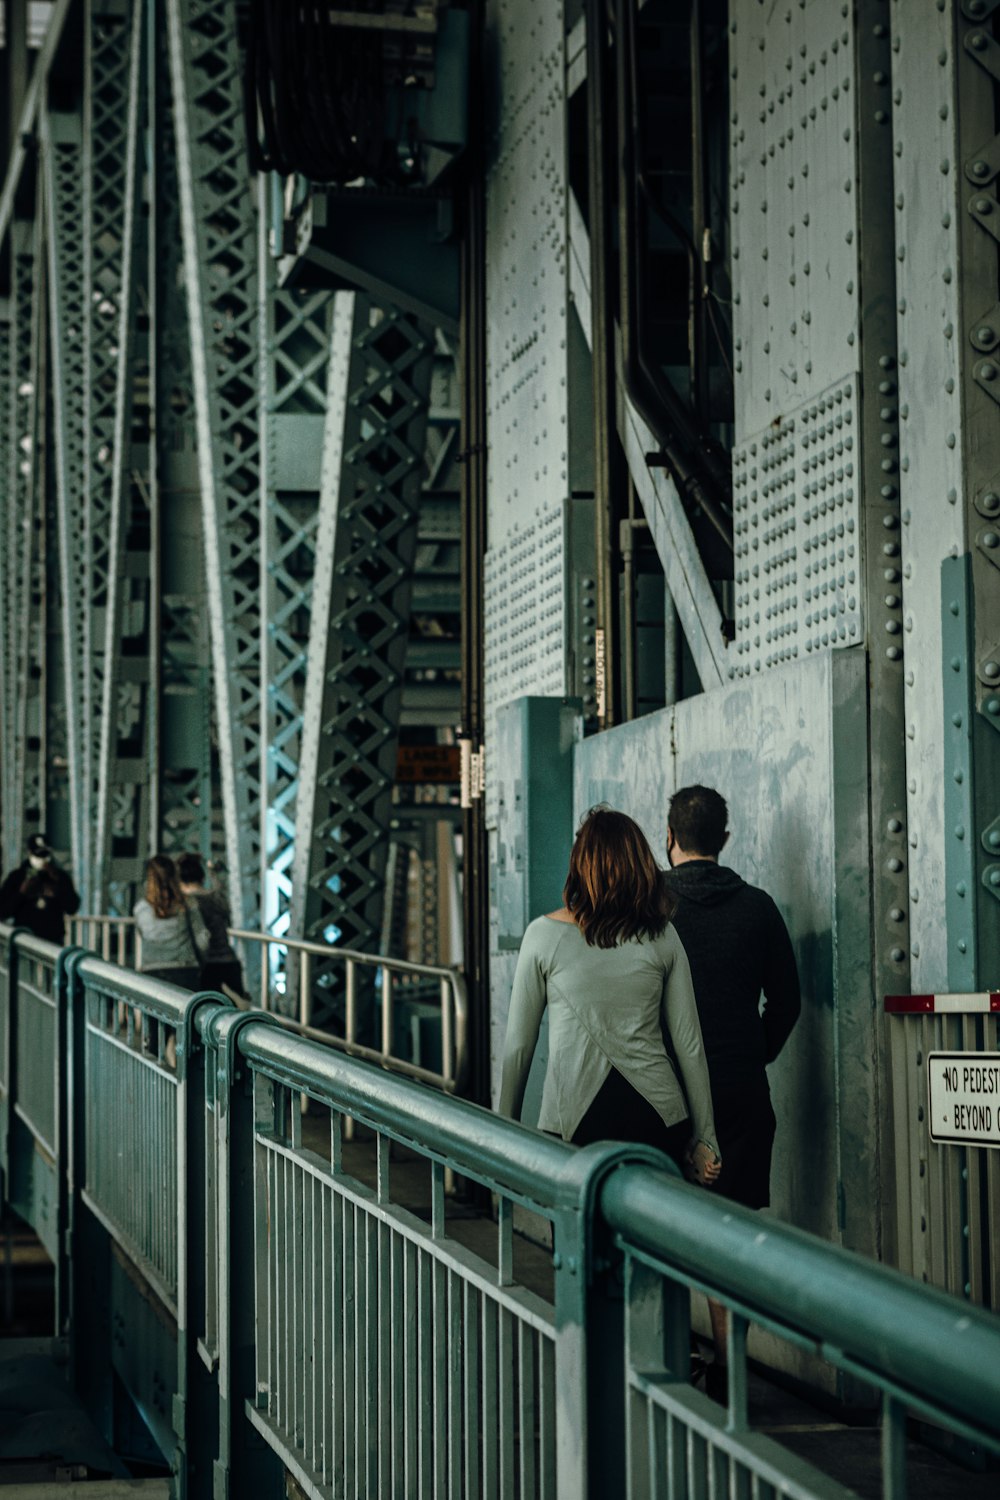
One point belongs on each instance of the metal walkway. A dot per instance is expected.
(269, 1305)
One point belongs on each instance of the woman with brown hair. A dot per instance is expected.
(173, 933)
(615, 979)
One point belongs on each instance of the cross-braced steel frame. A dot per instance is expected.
(358, 634)
(219, 231)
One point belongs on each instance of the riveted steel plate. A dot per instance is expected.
(929, 192)
(527, 399)
(794, 204)
(797, 526)
(525, 621)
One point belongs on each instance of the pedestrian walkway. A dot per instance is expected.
(398, 1292)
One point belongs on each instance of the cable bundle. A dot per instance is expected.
(317, 99)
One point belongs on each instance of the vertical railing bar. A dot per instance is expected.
(351, 1001)
(527, 1397)
(893, 1448)
(350, 1020)
(305, 983)
(505, 1242)
(425, 1403)
(382, 1147)
(471, 1359)
(505, 1360)
(411, 1370)
(440, 1379)
(385, 984)
(447, 1032)
(336, 1142)
(398, 1336)
(736, 1350)
(437, 1201)
(490, 1385)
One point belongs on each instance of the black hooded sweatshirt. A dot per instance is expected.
(737, 946)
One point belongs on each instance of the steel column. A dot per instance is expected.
(359, 624)
(65, 235)
(218, 224)
(302, 379)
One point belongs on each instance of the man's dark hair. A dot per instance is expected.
(190, 869)
(698, 817)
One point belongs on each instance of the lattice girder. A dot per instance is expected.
(296, 333)
(220, 259)
(358, 638)
(63, 182)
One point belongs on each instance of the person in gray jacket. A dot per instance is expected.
(174, 937)
(612, 972)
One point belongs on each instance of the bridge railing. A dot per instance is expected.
(917, 1350)
(292, 962)
(115, 939)
(391, 977)
(365, 1337)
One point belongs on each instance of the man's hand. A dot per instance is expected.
(701, 1164)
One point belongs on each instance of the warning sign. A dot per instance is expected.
(963, 1097)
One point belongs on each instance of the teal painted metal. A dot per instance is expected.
(63, 181)
(959, 793)
(534, 780)
(219, 230)
(921, 1349)
(301, 382)
(360, 622)
(370, 1349)
(19, 542)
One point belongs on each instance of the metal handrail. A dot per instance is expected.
(451, 989)
(81, 931)
(113, 939)
(912, 1342)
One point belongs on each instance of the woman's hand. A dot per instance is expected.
(701, 1164)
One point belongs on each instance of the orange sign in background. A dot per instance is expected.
(428, 763)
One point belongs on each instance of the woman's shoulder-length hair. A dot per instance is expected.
(162, 889)
(615, 890)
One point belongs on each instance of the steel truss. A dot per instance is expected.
(219, 231)
(63, 169)
(301, 381)
(358, 632)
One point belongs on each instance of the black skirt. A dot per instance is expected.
(620, 1113)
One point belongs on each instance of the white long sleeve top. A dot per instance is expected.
(606, 1009)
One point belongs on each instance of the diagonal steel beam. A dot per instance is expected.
(373, 458)
(117, 464)
(218, 226)
(62, 141)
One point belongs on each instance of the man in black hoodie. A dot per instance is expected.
(738, 948)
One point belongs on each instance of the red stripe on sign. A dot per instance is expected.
(995, 1002)
(908, 1005)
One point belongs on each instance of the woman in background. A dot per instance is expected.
(220, 966)
(174, 937)
(614, 976)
